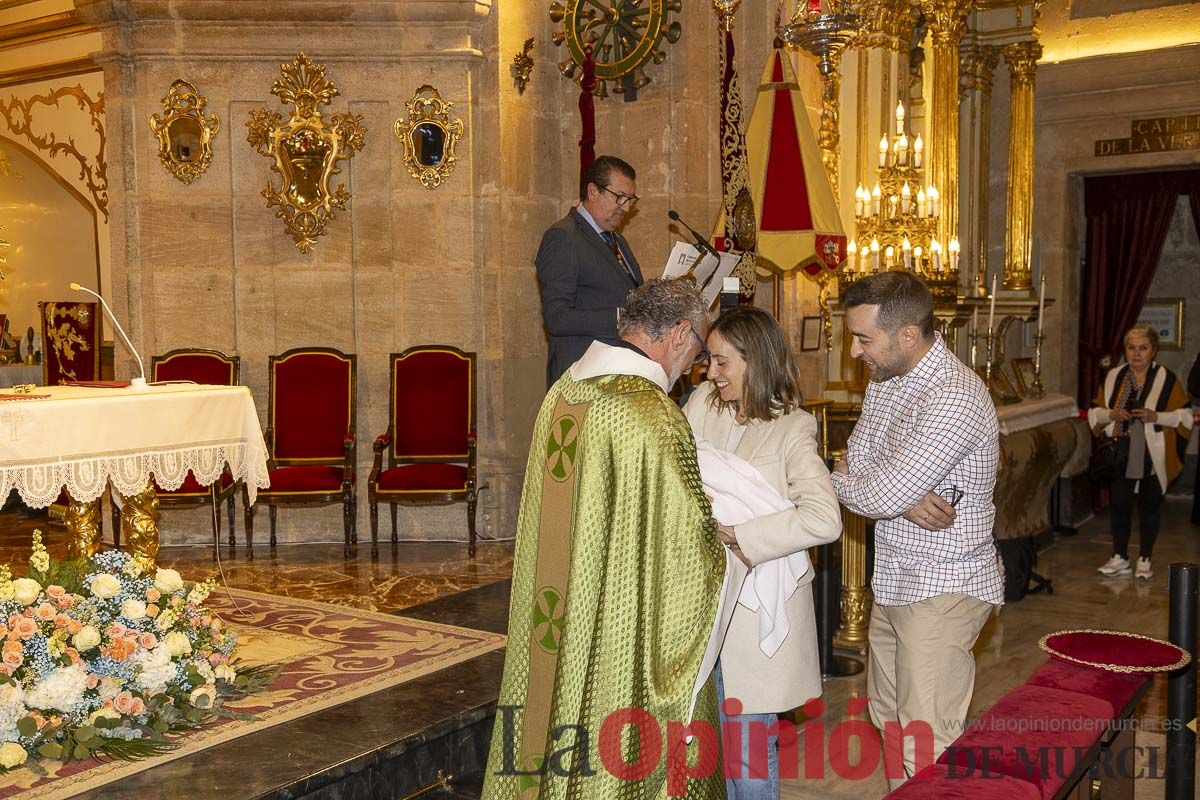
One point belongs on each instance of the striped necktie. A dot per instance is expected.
(611, 241)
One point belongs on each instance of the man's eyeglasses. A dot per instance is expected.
(703, 356)
(622, 199)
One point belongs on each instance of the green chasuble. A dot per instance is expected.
(617, 575)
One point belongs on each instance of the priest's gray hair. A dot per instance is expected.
(659, 305)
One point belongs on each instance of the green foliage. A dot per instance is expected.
(132, 750)
(68, 574)
(250, 680)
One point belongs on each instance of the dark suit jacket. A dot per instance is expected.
(582, 287)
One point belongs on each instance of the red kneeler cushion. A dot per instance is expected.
(940, 782)
(305, 479)
(1034, 734)
(1115, 687)
(424, 478)
(191, 486)
(1115, 650)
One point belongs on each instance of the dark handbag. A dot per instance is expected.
(1109, 459)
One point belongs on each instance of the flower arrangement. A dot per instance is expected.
(109, 656)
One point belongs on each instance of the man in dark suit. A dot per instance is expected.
(585, 268)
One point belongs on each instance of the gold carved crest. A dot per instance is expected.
(430, 136)
(305, 150)
(185, 132)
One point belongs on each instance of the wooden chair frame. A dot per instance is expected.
(216, 493)
(346, 494)
(375, 495)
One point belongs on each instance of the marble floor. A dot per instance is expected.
(474, 594)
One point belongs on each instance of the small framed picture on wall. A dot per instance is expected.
(1165, 315)
(810, 334)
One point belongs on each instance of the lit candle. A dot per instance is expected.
(883, 151)
(899, 118)
(992, 305)
(954, 247)
(858, 202)
(935, 248)
(893, 204)
(921, 203)
(851, 256)
(890, 256)
(874, 254)
(918, 151)
(1041, 304)
(906, 252)
(876, 198)
(905, 199)
(902, 148)
(935, 202)
(918, 251)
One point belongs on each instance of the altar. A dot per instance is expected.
(80, 439)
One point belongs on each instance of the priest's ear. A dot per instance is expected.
(680, 336)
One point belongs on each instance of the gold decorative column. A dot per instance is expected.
(1021, 58)
(979, 63)
(947, 22)
(83, 528)
(856, 600)
(139, 523)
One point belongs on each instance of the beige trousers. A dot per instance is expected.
(922, 671)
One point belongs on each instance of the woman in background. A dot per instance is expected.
(1142, 410)
(750, 406)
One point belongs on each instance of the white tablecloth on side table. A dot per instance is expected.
(80, 438)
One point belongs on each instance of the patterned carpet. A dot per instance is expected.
(333, 654)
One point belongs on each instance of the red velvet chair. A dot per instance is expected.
(430, 441)
(70, 342)
(310, 435)
(214, 369)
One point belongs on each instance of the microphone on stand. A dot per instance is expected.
(135, 383)
(701, 242)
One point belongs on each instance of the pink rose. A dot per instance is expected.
(138, 707)
(148, 640)
(61, 620)
(46, 612)
(152, 610)
(74, 627)
(216, 659)
(115, 630)
(123, 703)
(55, 592)
(92, 681)
(13, 658)
(72, 654)
(26, 627)
(152, 595)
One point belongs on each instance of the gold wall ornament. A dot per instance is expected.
(522, 66)
(305, 150)
(1021, 58)
(430, 136)
(624, 36)
(185, 132)
(4, 245)
(726, 11)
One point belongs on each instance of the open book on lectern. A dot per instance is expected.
(706, 271)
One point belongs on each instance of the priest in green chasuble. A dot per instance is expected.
(617, 579)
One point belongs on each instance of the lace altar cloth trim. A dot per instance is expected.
(85, 479)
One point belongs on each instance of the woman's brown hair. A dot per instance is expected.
(772, 384)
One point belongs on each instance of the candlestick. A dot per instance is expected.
(921, 203)
(954, 247)
(899, 118)
(851, 255)
(1041, 304)
(876, 199)
(935, 250)
(918, 151)
(859, 201)
(883, 151)
(902, 149)
(906, 252)
(1037, 390)
(874, 254)
(935, 202)
(992, 306)
(890, 256)
(893, 204)
(905, 198)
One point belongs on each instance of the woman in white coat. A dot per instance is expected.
(750, 406)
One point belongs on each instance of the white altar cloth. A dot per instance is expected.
(80, 438)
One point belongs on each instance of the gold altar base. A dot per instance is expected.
(856, 598)
(139, 525)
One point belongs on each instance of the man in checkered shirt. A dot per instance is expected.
(922, 461)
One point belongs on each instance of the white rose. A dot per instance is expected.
(104, 712)
(87, 638)
(177, 642)
(167, 580)
(209, 692)
(226, 673)
(26, 590)
(105, 586)
(133, 609)
(12, 755)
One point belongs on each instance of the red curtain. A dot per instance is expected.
(1128, 217)
(587, 115)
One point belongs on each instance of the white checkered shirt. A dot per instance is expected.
(931, 429)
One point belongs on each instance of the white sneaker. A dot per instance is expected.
(1143, 569)
(1116, 566)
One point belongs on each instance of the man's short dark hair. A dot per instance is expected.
(600, 173)
(902, 297)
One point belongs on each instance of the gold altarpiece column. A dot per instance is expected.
(978, 65)
(1021, 58)
(947, 23)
